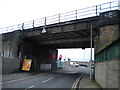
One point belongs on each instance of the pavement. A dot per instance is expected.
(85, 82)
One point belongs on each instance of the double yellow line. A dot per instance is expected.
(74, 86)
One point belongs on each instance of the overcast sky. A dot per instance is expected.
(19, 11)
(76, 54)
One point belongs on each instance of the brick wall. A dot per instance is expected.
(107, 35)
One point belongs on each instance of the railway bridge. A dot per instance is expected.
(39, 40)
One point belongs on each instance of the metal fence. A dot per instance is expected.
(63, 17)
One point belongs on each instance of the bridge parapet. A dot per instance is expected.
(64, 17)
(70, 26)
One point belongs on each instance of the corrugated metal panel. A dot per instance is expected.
(45, 66)
(110, 53)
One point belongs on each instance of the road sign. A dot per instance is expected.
(26, 65)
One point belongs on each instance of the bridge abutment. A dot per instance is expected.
(107, 51)
(11, 51)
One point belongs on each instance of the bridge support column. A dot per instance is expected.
(43, 57)
(53, 57)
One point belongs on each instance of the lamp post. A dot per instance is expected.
(119, 5)
(91, 34)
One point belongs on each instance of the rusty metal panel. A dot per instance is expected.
(68, 28)
(28, 34)
(36, 32)
(81, 26)
(56, 29)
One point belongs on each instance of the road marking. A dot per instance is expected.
(20, 79)
(31, 87)
(76, 82)
(47, 80)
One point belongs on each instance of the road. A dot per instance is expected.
(63, 78)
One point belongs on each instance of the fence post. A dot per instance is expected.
(33, 23)
(45, 21)
(23, 26)
(59, 18)
(96, 10)
(110, 5)
(76, 14)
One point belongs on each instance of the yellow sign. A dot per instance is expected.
(26, 65)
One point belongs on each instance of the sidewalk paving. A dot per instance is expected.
(85, 82)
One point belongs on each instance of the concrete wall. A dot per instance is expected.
(10, 65)
(107, 74)
(10, 51)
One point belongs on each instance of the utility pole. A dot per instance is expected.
(119, 5)
(91, 51)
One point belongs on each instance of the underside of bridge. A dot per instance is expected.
(74, 39)
(42, 47)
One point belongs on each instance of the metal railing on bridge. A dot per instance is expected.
(63, 17)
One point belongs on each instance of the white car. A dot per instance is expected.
(76, 65)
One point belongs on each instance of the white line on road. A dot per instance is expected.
(21, 79)
(31, 86)
(47, 80)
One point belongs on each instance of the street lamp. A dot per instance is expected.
(91, 34)
(119, 5)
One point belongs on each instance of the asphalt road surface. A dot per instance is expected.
(63, 78)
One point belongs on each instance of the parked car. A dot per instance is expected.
(76, 65)
(84, 65)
